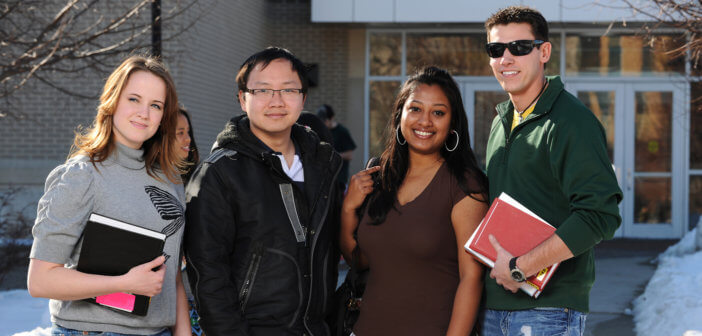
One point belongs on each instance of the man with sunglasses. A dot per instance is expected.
(548, 151)
(263, 212)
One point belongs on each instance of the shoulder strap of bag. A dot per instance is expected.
(356, 253)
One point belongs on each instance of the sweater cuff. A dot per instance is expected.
(49, 251)
(577, 236)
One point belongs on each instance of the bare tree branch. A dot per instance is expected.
(64, 90)
(40, 39)
(685, 15)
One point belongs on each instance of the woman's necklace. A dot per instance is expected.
(543, 87)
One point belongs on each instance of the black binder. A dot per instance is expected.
(113, 247)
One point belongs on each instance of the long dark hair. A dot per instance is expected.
(394, 161)
(193, 156)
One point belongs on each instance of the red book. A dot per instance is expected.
(518, 230)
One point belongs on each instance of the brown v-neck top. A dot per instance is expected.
(413, 260)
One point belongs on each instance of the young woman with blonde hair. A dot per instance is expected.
(124, 166)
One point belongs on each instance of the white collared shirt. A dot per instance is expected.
(295, 171)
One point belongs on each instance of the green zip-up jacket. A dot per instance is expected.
(555, 163)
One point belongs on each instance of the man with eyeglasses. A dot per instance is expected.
(263, 212)
(548, 151)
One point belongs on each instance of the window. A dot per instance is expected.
(622, 55)
(382, 95)
(385, 54)
(461, 54)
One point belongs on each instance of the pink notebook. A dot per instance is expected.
(121, 301)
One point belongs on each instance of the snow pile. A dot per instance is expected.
(686, 245)
(670, 305)
(20, 312)
(47, 332)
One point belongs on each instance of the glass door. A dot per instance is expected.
(479, 100)
(655, 152)
(645, 139)
(605, 100)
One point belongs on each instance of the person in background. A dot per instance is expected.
(317, 125)
(549, 152)
(124, 167)
(343, 143)
(187, 151)
(429, 197)
(263, 212)
(185, 140)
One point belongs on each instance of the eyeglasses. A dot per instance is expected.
(516, 48)
(269, 93)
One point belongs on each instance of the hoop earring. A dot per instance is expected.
(397, 135)
(458, 138)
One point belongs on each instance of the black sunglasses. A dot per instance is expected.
(516, 48)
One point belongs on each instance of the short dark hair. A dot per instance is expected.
(520, 14)
(325, 112)
(265, 57)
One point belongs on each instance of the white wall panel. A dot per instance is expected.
(598, 11)
(332, 10)
(399, 11)
(374, 10)
(448, 10)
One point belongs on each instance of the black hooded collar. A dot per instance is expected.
(237, 135)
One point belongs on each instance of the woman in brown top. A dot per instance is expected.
(427, 200)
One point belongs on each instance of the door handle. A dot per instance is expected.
(629, 179)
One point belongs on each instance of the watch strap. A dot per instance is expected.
(515, 272)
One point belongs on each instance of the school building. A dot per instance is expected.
(361, 51)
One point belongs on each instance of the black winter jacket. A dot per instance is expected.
(259, 265)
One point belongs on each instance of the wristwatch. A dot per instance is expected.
(517, 274)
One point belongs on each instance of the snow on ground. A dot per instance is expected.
(39, 331)
(23, 315)
(672, 301)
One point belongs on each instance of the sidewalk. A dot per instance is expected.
(623, 269)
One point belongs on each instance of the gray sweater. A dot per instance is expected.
(119, 188)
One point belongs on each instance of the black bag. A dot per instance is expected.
(348, 298)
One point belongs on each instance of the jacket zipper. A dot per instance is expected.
(245, 292)
(314, 243)
(509, 131)
(508, 134)
(324, 282)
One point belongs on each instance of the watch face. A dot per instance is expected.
(517, 275)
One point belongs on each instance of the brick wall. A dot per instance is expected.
(32, 145)
(207, 57)
(204, 61)
(323, 44)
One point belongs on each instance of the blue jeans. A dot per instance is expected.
(532, 322)
(57, 330)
